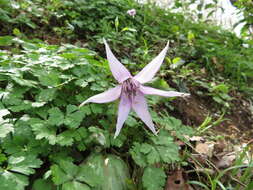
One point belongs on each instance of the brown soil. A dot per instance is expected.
(239, 123)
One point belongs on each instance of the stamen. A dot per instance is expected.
(130, 87)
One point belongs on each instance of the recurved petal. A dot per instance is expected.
(123, 111)
(118, 70)
(152, 91)
(104, 97)
(140, 106)
(149, 71)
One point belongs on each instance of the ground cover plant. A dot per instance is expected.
(42, 126)
(52, 58)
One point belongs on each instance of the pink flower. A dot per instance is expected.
(131, 12)
(131, 90)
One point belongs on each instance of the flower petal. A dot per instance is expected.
(123, 111)
(118, 70)
(149, 71)
(104, 97)
(152, 91)
(140, 106)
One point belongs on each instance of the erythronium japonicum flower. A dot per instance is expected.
(131, 12)
(131, 90)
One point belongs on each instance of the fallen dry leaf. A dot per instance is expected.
(226, 161)
(220, 147)
(205, 148)
(194, 138)
(233, 127)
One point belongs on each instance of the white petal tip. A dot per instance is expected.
(116, 135)
(104, 41)
(82, 104)
(117, 132)
(168, 43)
(153, 131)
(185, 95)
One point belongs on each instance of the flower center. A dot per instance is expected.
(130, 87)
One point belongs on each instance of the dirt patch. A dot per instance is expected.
(191, 110)
(241, 116)
(239, 124)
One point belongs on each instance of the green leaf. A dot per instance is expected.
(175, 125)
(24, 82)
(16, 32)
(115, 169)
(220, 88)
(131, 121)
(80, 134)
(96, 87)
(46, 95)
(56, 117)
(65, 138)
(218, 100)
(177, 62)
(23, 163)
(169, 153)
(68, 55)
(59, 176)
(136, 154)
(153, 156)
(3, 157)
(12, 181)
(99, 136)
(249, 186)
(6, 40)
(93, 177)
(41, 184)
(119, 141)
(74, 119)
(29, 46)
(23, 139)
(42, 130)
(5, 128)
(162, 139)
(161, 148)
(81, 82)
(145, 148)
(190, 36)
(96, 108)
(166, 147)
(71, 109)
(153, 178)
(63, 172)
(73, 177)
(50, 79)
(75, 185)
(24, 105)
(11, 98)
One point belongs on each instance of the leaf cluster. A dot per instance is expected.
(41, 87)
(45, 135)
